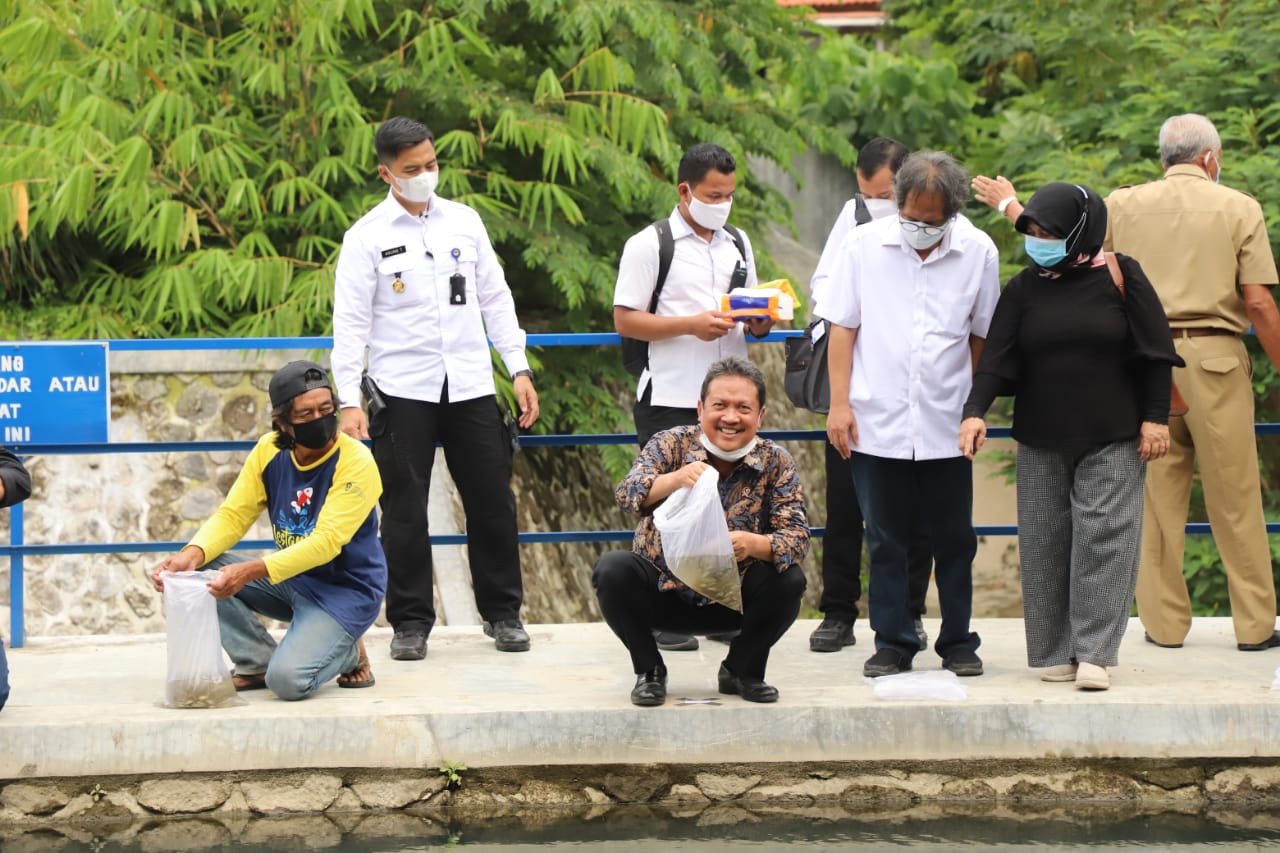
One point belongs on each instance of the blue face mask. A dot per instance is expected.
(1046, 253)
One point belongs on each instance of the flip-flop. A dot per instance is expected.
(253, 681)
(361, 665)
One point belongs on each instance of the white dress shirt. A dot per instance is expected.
(699, 276)
(912, 366)
(392, 293)
(845, 222)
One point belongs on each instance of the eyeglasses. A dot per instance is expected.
(929, 230)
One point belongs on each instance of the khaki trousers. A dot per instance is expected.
(1218, 430)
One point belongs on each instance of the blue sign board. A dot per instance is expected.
(54, 393)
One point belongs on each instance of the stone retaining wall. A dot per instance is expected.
(413, 802)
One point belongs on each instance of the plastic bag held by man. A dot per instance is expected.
(198, 676)
(696, 544)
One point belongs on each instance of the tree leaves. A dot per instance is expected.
(190, 168)
(244, 128)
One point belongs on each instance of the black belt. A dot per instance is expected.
(1201, 332)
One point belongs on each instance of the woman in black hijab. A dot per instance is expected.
(1089, 366)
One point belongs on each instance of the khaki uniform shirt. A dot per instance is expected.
(1197, 242)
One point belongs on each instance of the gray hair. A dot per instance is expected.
(926, 172)
(734, 365)
(1184, 138)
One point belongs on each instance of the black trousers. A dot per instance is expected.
(477, 450)
(652, 419)
(842, 548)
(939, 492)
(626, 586)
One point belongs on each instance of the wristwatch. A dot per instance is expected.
(526, 372)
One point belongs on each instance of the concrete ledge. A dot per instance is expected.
(89, 706)
(208, 361)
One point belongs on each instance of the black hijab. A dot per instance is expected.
(1070, 211)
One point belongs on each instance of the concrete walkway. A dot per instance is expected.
(89, 706)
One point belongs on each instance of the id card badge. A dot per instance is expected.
(457, 289)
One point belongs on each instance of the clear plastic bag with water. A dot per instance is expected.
(696, 543)
(197, 674)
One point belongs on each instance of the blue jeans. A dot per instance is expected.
(314, 650)
(4, 676)
(937, 494)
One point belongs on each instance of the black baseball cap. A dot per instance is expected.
(296, 377)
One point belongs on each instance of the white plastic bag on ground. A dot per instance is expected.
(198, 677)
(1275, 683)
(696, 544)
(930, 684)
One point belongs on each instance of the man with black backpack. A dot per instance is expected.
(666, 304)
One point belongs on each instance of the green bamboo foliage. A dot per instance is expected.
(189, 168)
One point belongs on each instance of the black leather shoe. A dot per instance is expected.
(650, 689)
(831, 636)
(409, 644)
(748, 688)
(725, 637)
(885, 662)
(921, 634)
(1154, 642)
(670, 641)
(1269, 643)
(963, 662)
(508, 635)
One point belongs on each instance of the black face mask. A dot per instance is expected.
(314, 435)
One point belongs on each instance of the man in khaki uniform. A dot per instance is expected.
(1205, 249)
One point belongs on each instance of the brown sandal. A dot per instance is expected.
(361, 676)
(253, 681)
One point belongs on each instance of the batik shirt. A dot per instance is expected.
(762, 494)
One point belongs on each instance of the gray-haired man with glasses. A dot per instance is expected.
(910, 300)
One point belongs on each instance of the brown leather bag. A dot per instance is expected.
(1177, 403)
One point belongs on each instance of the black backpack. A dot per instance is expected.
(805, 380)
(635, 353)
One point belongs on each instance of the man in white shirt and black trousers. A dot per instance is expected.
(910, 301)
(684, 327)
(418, 282)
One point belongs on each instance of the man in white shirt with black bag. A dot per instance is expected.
(418, 282)
(667, 301)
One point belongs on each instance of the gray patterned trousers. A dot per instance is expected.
(1079, 533)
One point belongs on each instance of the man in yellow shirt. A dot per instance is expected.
(15, 487)
(327, 577)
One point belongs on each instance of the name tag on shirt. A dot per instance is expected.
(391, 253)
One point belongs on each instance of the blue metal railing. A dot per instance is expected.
(17, 548)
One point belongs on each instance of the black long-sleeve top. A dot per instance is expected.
(17, 482)
(1085, 365)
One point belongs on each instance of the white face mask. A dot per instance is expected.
(879, 208)
(917, 238)
(726, 455)
(419, 188)
(711, 216)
